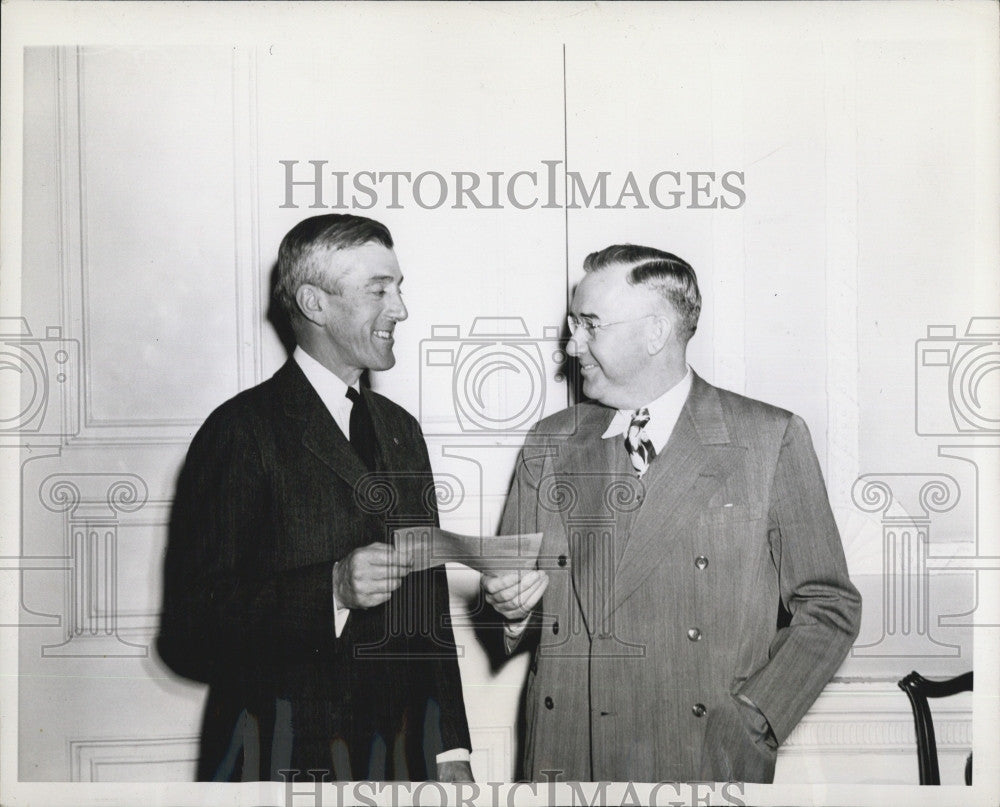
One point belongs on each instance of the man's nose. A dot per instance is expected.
(575, 344)
(398, 309)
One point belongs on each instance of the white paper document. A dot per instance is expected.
(432, 546)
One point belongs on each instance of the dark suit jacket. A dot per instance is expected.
(270, 496)
(664, 593)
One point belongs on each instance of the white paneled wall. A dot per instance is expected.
(153, 208)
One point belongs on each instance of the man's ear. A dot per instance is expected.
(660, 333)
(311, 302)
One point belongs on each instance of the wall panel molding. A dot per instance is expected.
(876, 716)
(729, 303)
(842, 284)
(157, 759)
(77, 160)
(492, 756)
(250, 280)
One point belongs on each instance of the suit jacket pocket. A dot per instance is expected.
(729, 513)
(732, 749)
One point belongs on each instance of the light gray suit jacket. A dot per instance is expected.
(720, 575)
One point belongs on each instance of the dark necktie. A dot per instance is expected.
(361, 428)
(640, 449)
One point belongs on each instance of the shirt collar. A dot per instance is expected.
(329, 386)
(663, 414)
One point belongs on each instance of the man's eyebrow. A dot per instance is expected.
(382, 279)
(586, 315)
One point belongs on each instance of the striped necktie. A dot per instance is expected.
(640, 449)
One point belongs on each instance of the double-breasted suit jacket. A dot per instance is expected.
(270, 496)
(662, 610)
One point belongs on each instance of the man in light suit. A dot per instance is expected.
(696, 598)
(281, 588)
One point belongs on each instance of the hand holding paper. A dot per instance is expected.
(515, 594)
(368, 576)
(511, 583)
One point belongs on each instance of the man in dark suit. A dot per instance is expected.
(282, 590)
(697, 599)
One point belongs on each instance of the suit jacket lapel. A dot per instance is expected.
(320, 433)
(584, 469)
(679, 483)
(394, 449)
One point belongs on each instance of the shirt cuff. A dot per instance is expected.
(454, 755)
(340, 613)
(512, 632)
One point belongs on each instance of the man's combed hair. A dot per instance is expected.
(671, 276)
(302, 246)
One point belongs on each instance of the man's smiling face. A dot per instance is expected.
(614, 361)
(362, 288)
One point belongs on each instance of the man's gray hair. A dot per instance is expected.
(297, 255)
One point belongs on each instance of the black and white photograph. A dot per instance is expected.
(500, 403)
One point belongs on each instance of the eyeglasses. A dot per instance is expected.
(591, 328)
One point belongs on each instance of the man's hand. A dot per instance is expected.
(514, 594)
(454, 772)
(368, 576)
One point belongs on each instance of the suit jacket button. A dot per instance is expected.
(694, 634)
(562, 560)
(700, 562)
(549, 704)
(555, 628)
(699, 710)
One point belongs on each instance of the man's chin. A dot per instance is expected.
(592, 387)
(383, 363)
(600, 393)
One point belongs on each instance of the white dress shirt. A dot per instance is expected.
(330, 388)
(333, 392)
(663, 414)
